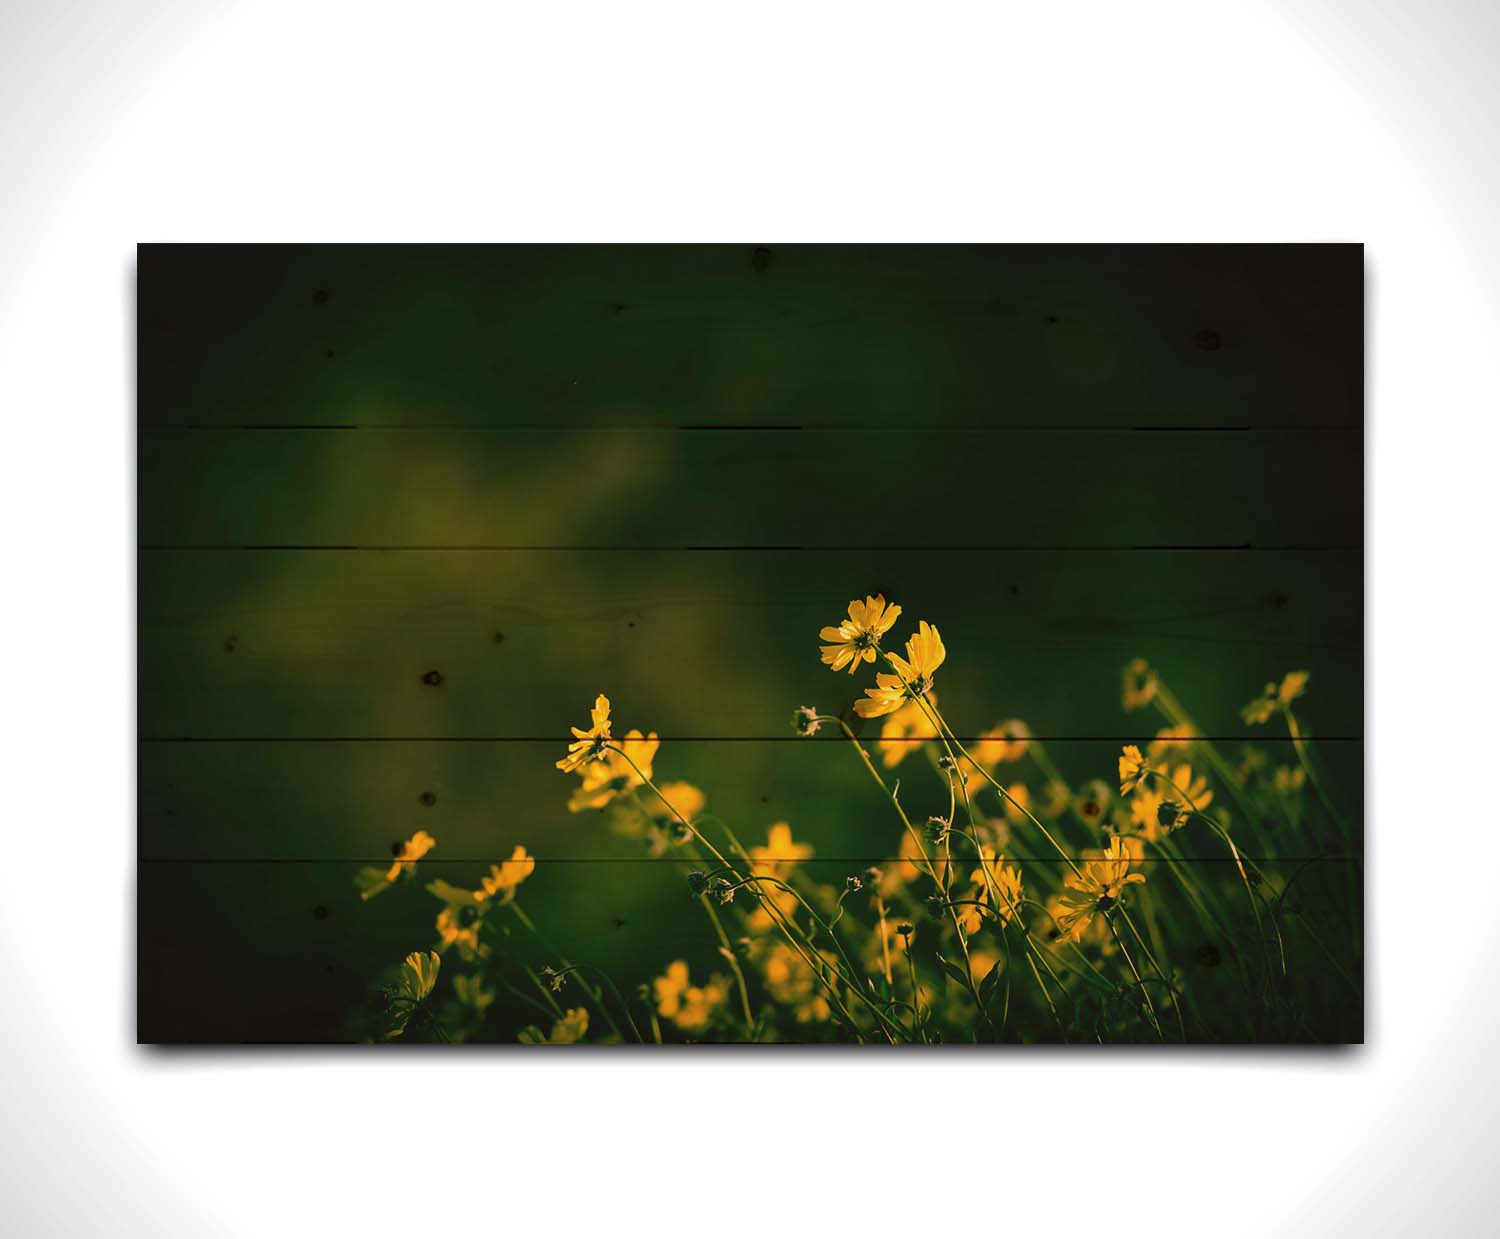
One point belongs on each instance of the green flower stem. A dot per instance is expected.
(932, 872)
(726, 949)
(848, 982)
(713, 916)
(1299, 745)
(944, 730)
(1171, 709)
(1218, 828)
(1135, 972)
(1160, 974)
(596, 997)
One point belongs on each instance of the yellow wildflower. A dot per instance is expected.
(913, 679)
(1166, 800)
(1010, 741)
(1133, 769)
(903, 732)
(589, 745)
(414, 982)
(775, 860)
(1003, 742)
(567, 1031)
(372, 881)
(690, 1007)
(1146, 812)
(1096, 888)
(458, 922)
(1288, 780)
(471, 992)
(1169, 739)
(790, 981)
(684, 797)
(857, 638)
(995, 885)
(616, 772)
(1097, 937)
(503, 879)
(1276, 697)
(1140, 684)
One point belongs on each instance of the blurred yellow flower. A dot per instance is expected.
(904, 732)
(856, 639)
(776, 859)
(1007, 741)
(1096, 888)
(1169, 739)
(471, 992)
(1276, 697)
(619, 770)
(503, 879)
(690, 1007)
(1055, 800)
(1003, 742)
(1288, 780)
(589, 745)
(567, 1031)
(1092, 801)
(1016, 803)
(372, 881)
(898, 873)
(458, 922)
(684, 797)
(1140, 684)
(790, 981)
(913, 679)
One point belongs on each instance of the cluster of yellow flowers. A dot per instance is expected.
(1019, 906)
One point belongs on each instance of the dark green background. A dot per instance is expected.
(546, 472)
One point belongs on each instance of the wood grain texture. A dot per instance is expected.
(829, 489)
(403, 511)
(807, 335)
(712, 643)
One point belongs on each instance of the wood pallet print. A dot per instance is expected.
(937, 645)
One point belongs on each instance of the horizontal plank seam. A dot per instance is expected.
(840, 429)
(871, 859)
(339, 547)
(803, 740)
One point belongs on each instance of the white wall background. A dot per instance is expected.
(775, 121)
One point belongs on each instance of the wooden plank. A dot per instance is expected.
(297, 643)
(738, 488)
(811, 335)
(285, 952)
(347, 802)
